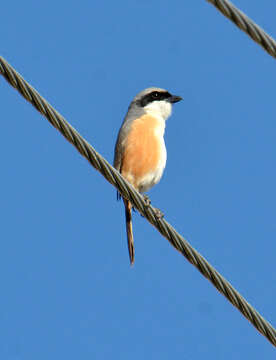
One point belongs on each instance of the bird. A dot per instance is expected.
(140, 153)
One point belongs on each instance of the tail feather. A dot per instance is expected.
(129, 232)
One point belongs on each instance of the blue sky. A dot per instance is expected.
(67, 290)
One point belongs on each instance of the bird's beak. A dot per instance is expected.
(173, 99)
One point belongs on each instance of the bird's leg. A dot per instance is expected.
(147, 200)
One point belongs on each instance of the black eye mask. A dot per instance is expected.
(154, 96)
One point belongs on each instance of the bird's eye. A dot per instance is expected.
(155, 95)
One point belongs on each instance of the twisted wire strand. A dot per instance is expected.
(246, 24)
(128, 191)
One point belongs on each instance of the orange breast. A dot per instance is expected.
(142, 150)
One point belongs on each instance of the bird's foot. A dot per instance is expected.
(147, 200)
(158, 213)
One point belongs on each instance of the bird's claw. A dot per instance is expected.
(158, 213)
(147, 200)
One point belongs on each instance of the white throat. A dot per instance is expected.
(161, 109)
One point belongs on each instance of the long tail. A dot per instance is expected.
(130, 242)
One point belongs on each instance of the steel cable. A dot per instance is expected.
(127, 191)
(246, 24)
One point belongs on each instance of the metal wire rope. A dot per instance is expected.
(247, 25)
(114, 177)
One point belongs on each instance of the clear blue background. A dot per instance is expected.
(67, 290)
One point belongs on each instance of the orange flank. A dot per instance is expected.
(142, 151)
